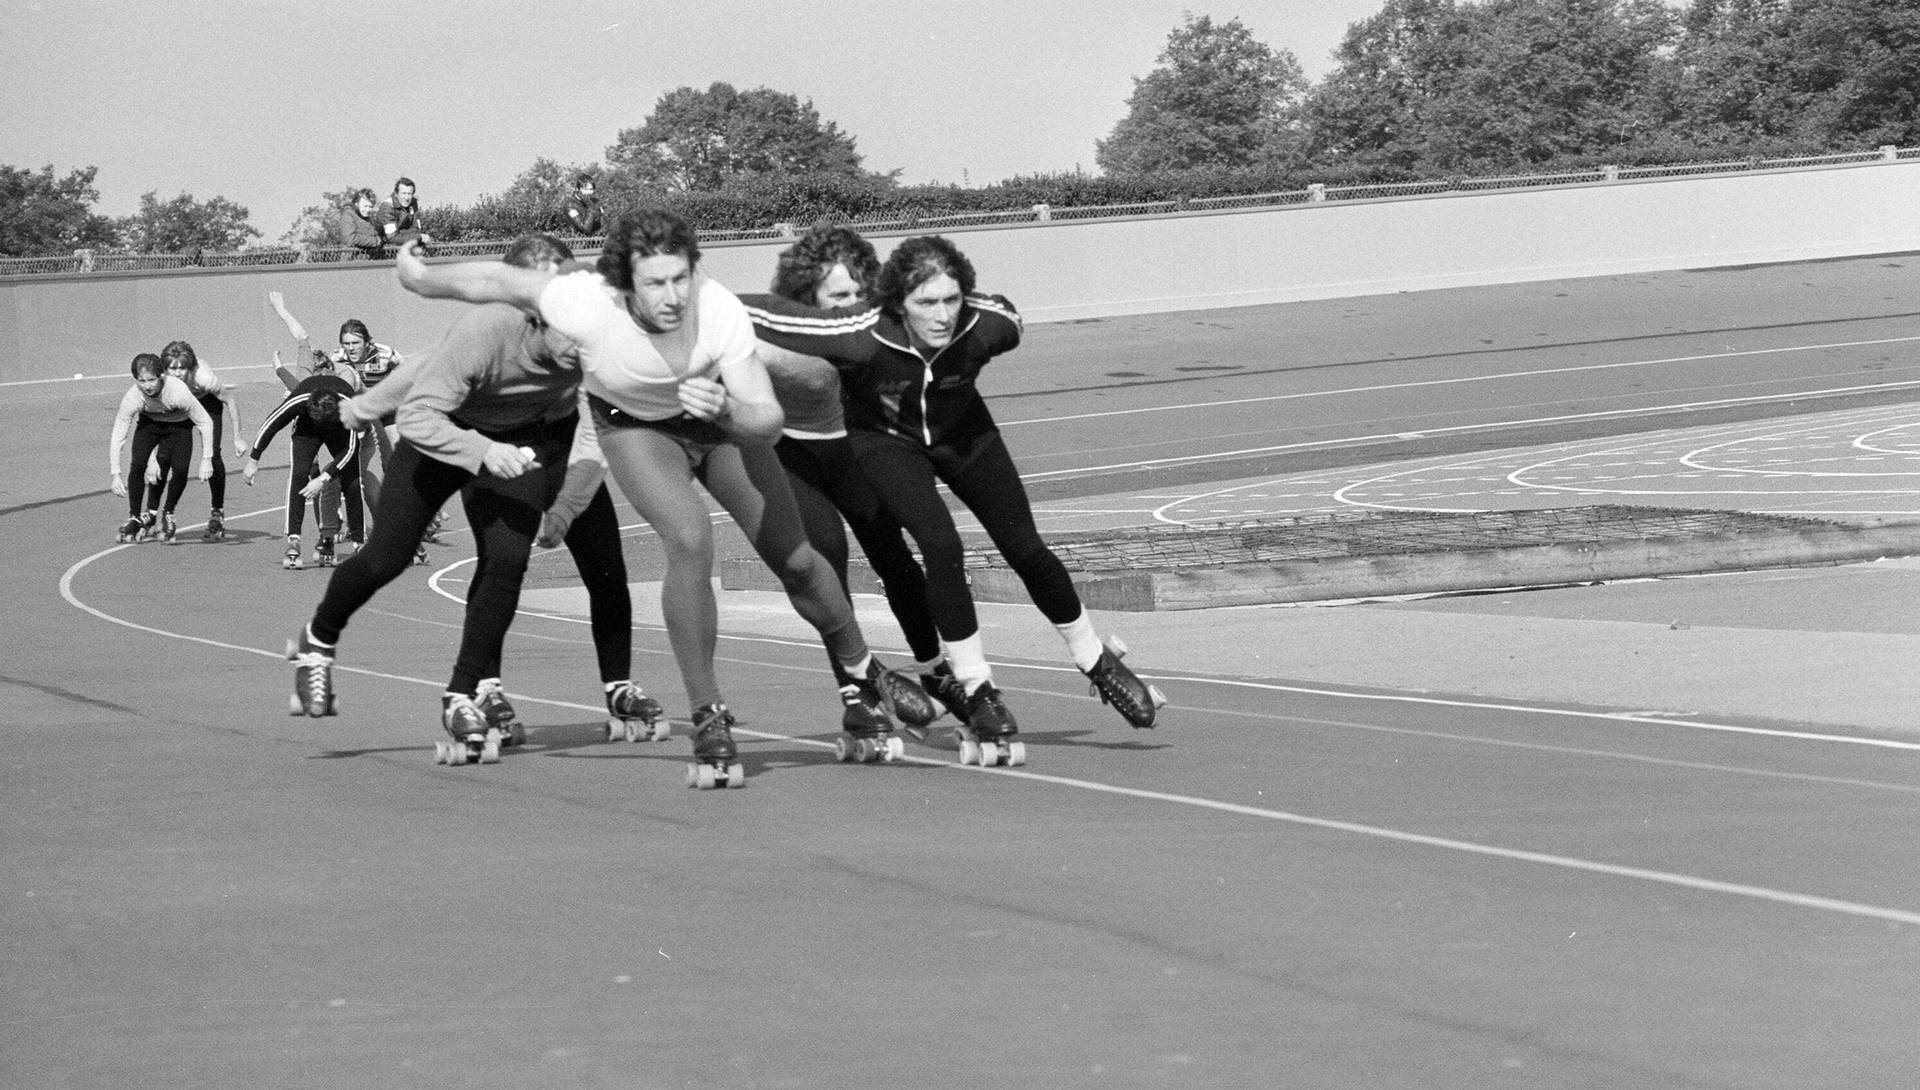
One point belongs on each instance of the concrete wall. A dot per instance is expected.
(59, 326)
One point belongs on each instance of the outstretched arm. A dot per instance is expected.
(471, 281)
(279, 303)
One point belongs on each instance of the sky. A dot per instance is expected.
(270, 103)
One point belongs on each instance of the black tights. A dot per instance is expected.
(904, 475)
(504, 516)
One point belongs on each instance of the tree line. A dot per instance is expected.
(1423, 89)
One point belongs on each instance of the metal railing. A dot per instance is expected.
(96, 261)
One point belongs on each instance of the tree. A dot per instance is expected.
(183, 225)
(696, 140)
(41, 215)
(1860, 59)
(1220, 98)
(1436, 87)
(315, 225)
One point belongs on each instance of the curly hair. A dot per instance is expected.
(645, 232)
(804, 264)
(182, 353)
(916, 261)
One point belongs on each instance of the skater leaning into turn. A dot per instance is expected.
(909, 363)
(828, 266)
(678, 396)
(364, 362)
(488, 413)
(313, 408)
(162, 416)
(184, 364)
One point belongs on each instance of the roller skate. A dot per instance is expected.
(635, 716)
(1115, 684)
(149, 526)
(942, 686)
(312, 677)
(291, 560)
(420, 552)
(433, 528)
(323, 551)
(902, 698)
(471, 739)
(492, 702)
(129, 531)
(216, 526)
(168, 529)
(866, 734)
(986, 737)
(713, 763)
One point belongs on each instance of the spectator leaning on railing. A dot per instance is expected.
(399, 217)
(355, 225)
(584, 217)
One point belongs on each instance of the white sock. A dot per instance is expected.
(969, 662)
(859, 669)
(1083, 643)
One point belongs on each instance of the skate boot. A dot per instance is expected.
(323, 551)
(129, 531)
(902, 698)
(635, 716)
(433, 528)
(312, 677)
(713, 762)
(866, 734)
(986, 738)
(1116, 685)
(945, 688)
(168, 529)
(149, 526)
(216, 526)
(292, 558)
(492, 702)
(470, 738)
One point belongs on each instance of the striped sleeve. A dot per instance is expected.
(841, 336)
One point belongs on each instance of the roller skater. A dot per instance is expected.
(635, 716)
(986, 734)
(910, 365)
(492, 701)
(312, 677)
(216, 526)
(291, 559)
(1115, 684)
(713, 763)
(323, 551)
(472, 739)
(162, 416)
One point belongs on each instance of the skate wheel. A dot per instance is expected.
(845, 749)
(971, 754)
(1159, 698)
(1016, 754)
(614, 729)
(294, 707)
(701, 777)
(658, 731)
(490, 747)
(442, 754)
(736, 776)
(893, 750)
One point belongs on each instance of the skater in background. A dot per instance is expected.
(184, 364)
(366, 363)
(162, 415)
(909, 364)
(678, 396)
(488, 413)
(313, 408)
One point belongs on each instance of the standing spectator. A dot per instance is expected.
(355, 226)
(399, 217)
(584, 217)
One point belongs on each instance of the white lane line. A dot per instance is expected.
(1548, 859)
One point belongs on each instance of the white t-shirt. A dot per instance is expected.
(636, 371)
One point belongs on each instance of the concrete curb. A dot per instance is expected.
(1337, 578)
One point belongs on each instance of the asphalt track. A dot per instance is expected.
(1566, 838)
